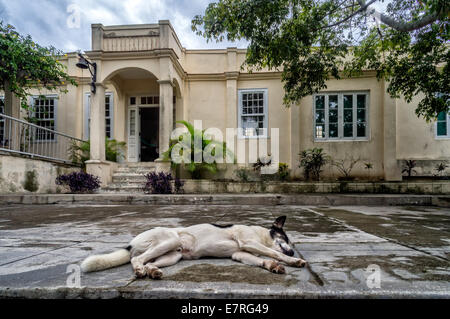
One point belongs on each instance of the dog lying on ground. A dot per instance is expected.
(162, 247)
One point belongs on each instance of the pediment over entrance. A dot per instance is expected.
(132, 38)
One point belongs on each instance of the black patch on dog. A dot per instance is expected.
(223, 226)
(128, 248)
(278, 232)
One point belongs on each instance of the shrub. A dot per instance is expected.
(312, 161)
(440, 168)
(161, 183)
(79, 182)
(345, 166)
(187, 140)
(283, 171)
(409, 167)
(242, 174)
(79, 152)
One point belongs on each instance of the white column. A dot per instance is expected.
(97, 125)
(165, 115)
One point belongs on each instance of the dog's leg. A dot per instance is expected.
(169, 259)
(252, 260)
(259, 249)
(153, 253)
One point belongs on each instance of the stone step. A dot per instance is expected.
(139, 170)
(118, 181)
(119, 188)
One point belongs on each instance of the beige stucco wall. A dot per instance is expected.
(416, 139)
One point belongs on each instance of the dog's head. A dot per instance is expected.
(281, 241)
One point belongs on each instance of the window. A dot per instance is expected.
(44, 114)
(341, 116)
(443, 125)
(147, 100)
(109, 118)
(2, 121)
(253, 113)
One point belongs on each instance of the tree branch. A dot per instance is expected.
(401, 26)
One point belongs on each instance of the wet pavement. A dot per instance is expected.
(354, 251)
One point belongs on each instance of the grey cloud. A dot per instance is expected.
(46, 20)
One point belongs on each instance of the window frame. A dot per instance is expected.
(55, 99)
(87, 114)
(442, 137)
(341, 123)
(265, 92)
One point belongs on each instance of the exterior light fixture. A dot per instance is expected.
(85, 64)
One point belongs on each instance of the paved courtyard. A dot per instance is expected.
(409, 245)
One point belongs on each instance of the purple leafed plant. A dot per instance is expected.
(161, 183)
(79, 182)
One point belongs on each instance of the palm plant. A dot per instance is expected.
(409, 167)
(440, 168)
(312, 161)
(187, 142)
(79, 152)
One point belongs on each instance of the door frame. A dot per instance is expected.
(134, 146)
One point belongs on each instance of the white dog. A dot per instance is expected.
(162, 247)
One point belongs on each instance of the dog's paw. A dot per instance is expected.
(274, 267)
(278, 269)
(156, 274)
(140, 272)
(299, 263)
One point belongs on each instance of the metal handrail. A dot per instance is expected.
(21, 137)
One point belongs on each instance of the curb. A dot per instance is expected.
(180, 293)
(230, 199)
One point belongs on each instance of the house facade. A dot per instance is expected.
(146, 81)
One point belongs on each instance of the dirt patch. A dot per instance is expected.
(235, 274)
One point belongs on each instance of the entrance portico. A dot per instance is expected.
(137, 63)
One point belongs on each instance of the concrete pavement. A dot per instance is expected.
(348, 249)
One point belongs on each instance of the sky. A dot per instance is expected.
(56, 22)
(66, 24)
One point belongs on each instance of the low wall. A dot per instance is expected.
(22, 175)
(219, 187)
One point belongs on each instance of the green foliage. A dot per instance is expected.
(283, 171)
(312, 41)
(409, 167)
(31, 183)
(25, 64)
(346, 165)
(243, 174)
(312, 161)
(440, 168)
(79, 152)
(187, 139)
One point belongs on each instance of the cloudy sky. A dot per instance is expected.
(54, 22)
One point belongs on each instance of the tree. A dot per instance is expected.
(311, 41)
(25, 65)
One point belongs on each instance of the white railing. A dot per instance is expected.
(21, 137)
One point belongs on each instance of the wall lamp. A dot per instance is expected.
(85, 64)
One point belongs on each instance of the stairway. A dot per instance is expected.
(129, 178)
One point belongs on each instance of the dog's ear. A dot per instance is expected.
(279, 222)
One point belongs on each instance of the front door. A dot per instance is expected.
(133, 134)
(149, 137)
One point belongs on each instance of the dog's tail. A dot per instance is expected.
(106, 261)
